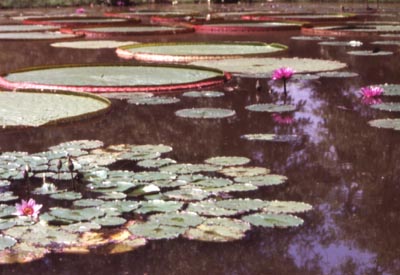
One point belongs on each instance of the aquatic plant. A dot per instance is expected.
(371, 91)
(28, 208)
(283, 74)
(283, 119)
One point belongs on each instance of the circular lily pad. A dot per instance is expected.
(352, 43)
(203, 94)
(387, 42)
(273, 220)
(264, 180)
(112, 78)
(37, 109)
(181, 219)
(207, 113)
(245, 26)
(212, 182)
(390, 107)
(78, 215)
(187, 168)
(187, 194)
(286, 207)
(155, 163)
(110, 221)
(187, 52)
(228, 161)
(88, 203)
(266, 66)
(36, 36)
(155, 231)
(270, 108)
(92, 44)
(270, 137)
(6, 242)
(100, 32)
(25, 28)
(244, 171)
(338, 74)
(370, 53)
(209, 208)
(70, 196)
(154, 100)
(387, 123)
(158, 206)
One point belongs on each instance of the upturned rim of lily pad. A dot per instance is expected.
(219, 78)
(302, 17)
(124, 52)
(77, 21)
(224, 27)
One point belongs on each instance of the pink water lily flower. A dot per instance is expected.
(371, 91)
(283, 73)
(282, 119)
(28, 208)
(80, 10)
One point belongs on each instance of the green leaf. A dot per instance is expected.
(273, 220)
(180, 219)
(244, 171)
(158, 206)
(264, 180)
(6, 242)
(70, 196)
(155, 231)
(227, 161)
(270, 108)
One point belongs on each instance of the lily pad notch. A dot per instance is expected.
(113, 78)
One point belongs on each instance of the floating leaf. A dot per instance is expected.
(273, 220)
(187, 193)
(5, 224)
(4, 183)
(387, 123)
(370, 53)
(125, 96)
(338, 74)
(209, 208)
(8, 196)
(67, 196)
(81, 227)
(110, 221)
(245, 187)
(227, 161)
(206, 113)
(203, 94)
(212, 182)
(391, 89)
(312, 37)
(158, 206)
(155, 163)
(119, 206)
(155, 231)
(187, 168)
(241, 205)
(113, 196)
(386, 42)
(244, 171)
(180, 219)
(83, 144)
(270, 137)
(264, 180)
(78, 215)
(88, 203)
(92, 44)
(6, 242)
(144, 190)
(218, 230)
(35, 35)
(271, 108)
(153, 176)
(286, 207)
(390, 107)
(154, 100)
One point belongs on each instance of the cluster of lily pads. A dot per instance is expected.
(161, 199)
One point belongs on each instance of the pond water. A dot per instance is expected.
(346, 169)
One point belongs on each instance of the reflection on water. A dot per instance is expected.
(347, 170)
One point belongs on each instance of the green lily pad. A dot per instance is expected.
(286, 207)
(113, 196)
(92, 44)
(338, 74)
(88, 203)
(153, 176)
(241, 205)
(187, 193)
(155, 163)
(35, 35)
(144, 190)
(265, 66)
(370, 53)
(271, 108)
(154, 100)
(40, 108)
(119, 206)
(81, 227)
(158, 206)
(110, 221)
(187, 168)
(142, 149)
(77, 215)
(5, 224)
(341, 43)
(270, 137)
(218, 230)
(390, 107)
(4, 183)
(387, 42)
(391, 89)
(227, 161)
(138, 156)
(245, 187)
(77, 145)
(244, 171)
(273, 220)
(26, 28)
(180, 219)
(70, 196)
(6, 210)
(209, 208)
(387, 123)
(264, 180)
(203, 94)
(8, 196)
(212, 182)
(205, 113)
(6, 242)
(155, 231)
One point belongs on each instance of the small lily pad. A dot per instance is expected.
(244, 171)
(88, 203)
(270, 137)
(8, 196)
(66, 196)
(126, 245)
(187, 168)
(206, 113)
(4, 183)
(387, 42)
(155, 163)
(286, 207)
(187, 194)
(144, 190)
(153, 176)
(264, 180)
(78, 215)
(270, 108)
(391, 89)
(388, 123)
(6, 242)
(6, 210)
(311, 37)
(241, 205)
(273, 220)
(181, 219)
(110, 221)
(245, 187)
(390, 107)
(113, 196)
(209, 208)
(227, 161)
(81, 227)
(212, 182)
(155, 231)
(203, 94)
(158, 206)
(154, 100)
(370, 53)
(119, 206)
(5, 224)
(92, 44)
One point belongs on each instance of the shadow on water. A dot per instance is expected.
(346, 169)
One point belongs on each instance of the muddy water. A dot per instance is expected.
(346, 169)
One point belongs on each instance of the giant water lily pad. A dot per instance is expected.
(245, 26)
(25, 28)
(186, 52)
(35, 36)
(207, 113)
(265, 66)
(390, 107)
(112, 78)
(37, 109)
(388, 123)
(270, 108)
(273, 220)
(92, 44)
(74, 21)
(218, 230)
